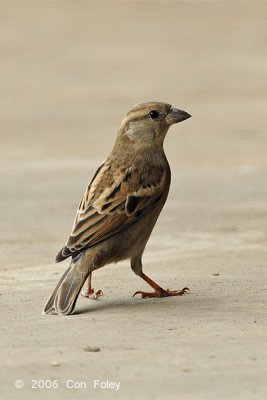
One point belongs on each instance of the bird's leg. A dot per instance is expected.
(90, 292)
(158, 291)
(136, 265)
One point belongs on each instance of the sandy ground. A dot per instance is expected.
(69, 72)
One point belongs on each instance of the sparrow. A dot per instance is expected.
(120, 206)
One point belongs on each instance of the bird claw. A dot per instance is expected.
(162, 293)
(91, 294)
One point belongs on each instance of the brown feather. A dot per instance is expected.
(104, 209)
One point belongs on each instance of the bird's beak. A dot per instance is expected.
(176, 115)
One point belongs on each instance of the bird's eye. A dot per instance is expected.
(153, 114)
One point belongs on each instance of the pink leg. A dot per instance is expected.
(158, 291)
(90, 292)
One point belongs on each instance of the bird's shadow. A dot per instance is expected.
(189, 302)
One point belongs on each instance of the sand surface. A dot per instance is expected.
(69, 73)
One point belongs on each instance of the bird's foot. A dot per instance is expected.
(91, 294)
(162, 293)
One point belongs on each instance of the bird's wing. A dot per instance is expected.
(106, 209)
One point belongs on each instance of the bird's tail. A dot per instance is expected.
(63, 299)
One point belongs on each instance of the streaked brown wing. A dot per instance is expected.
(108, 209)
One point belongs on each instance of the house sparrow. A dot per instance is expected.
(120, 206)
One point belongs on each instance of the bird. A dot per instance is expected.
(120, 206)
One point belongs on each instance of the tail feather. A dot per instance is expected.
(49, 307)
(63, 299)
(68, 292)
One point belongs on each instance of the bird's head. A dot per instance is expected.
(148, 123)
